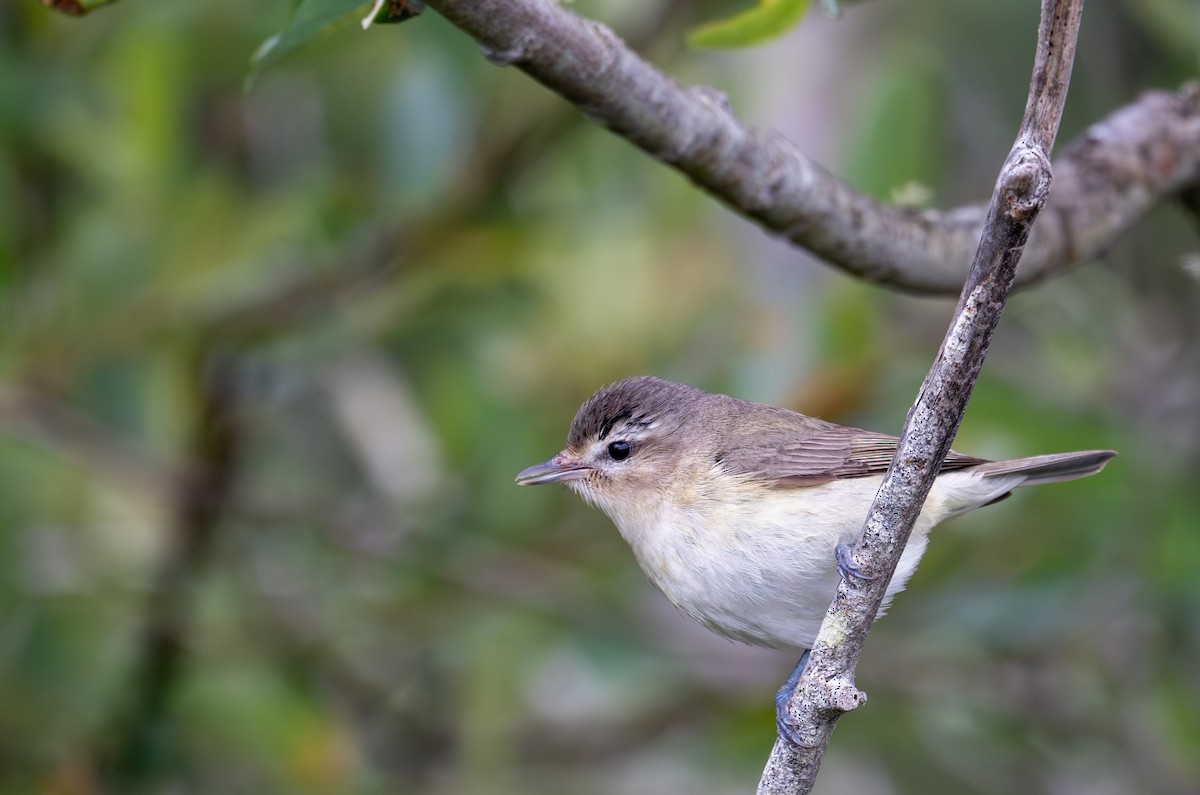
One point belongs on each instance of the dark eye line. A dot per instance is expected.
(611, 422)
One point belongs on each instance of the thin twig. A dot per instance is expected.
(1106, 180)
(43, 418)
(202, 501)
(827, 689)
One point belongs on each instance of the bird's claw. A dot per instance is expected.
(783, 719)
(783, 723)
(847, 566)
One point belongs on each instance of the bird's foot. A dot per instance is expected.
(783, 720)
(847, 566)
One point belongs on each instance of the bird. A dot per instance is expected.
(743, 514)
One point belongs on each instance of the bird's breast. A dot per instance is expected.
(756, 564)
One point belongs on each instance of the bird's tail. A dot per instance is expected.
(982, 484)
(1049, 468)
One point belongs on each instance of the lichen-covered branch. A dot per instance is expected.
(827, 689)
(1106, 179)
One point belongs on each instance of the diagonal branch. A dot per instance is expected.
(827, 689)
(1106, 180)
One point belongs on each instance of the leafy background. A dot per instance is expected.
(272, 356)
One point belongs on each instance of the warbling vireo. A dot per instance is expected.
(742, 513)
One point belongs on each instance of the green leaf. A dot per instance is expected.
(768, 19)
(312, 18)
(393, 12)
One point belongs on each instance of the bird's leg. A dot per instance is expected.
(848, 568)
(783, 721)
(846, 565)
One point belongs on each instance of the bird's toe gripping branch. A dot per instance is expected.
(847, 566)
(783, 720)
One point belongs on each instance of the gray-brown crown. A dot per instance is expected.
(634, 402)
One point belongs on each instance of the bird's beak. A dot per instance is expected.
(561, 468)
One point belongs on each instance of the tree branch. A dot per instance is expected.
(203, 495)
(1107, 179)
(827, 690)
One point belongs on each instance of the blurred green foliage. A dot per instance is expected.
(765, 20)
(272, 358)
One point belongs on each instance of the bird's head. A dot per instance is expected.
(626, 445)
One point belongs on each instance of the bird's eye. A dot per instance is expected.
(619, 451)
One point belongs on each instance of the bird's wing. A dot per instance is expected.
(823, 452)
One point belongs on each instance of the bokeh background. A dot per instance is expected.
(273, 353)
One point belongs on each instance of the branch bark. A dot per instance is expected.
(1106, 180)
(827, 689)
